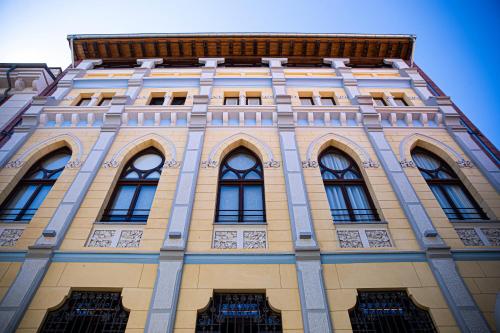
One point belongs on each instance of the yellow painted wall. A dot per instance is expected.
(103, 185)
(383, 196)
(483, 280)
(478, 186)
(9, 177)
(278, 221)
(199, 282)
(343, 280)
(8, 273)
(135, 281)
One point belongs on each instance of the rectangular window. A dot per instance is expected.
(306, 101)
(379, 101)
(178, 101)
(400, 102)
(231, 101)
(327, 101)
(105, 101)
(253, 101)
(157, 101)
(84, 102)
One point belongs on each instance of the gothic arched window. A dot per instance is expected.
(88, 311)
(136, 188)
(238, 312)
(449, 191)
(389, 312)
(240, 197)
(30, 192)
(345, 188)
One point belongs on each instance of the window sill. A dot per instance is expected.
(240, 223)
(475, 222)
(360, 223)
(119, 223)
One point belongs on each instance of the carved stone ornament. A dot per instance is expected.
(73, 164)
(407, 163)
(110, 164)
(309, 164)
(378, 238)
(272, 164)
(102, 238)
(130, 238)
(464, 164)
(493, 235)
(469, 237)
(349, 239)
(209, 164)
(254, 239)
(13, 164)
(172, 164)
(9, 237)
(225, 240)
(370, 164)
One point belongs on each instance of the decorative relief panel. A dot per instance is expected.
(364, 238)
(407, 163)
(478, 236)
(465, 164)
(225, 240)
(10, 236)
(115, 238)
(349, 238)
(239, 237)
(254, 239)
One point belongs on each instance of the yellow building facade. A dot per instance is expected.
(247, 183)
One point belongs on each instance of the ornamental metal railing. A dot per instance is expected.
(354, 215)
(471, 213)
(17, 214)
(124, 215)
(243, 216)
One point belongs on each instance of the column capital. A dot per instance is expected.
(211, 62)
(337, 62)
(275, 62)
(396, 63)
(149, 62)
(89, 64)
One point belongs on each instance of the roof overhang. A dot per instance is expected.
(242, 48)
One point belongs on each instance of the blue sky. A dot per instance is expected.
(454, 38)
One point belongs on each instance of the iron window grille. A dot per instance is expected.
(24, 201)
(340, 184)
(447, 187)
(389, 312)
(249, 185)
(86, 312)
(135, 207)
(238, 312)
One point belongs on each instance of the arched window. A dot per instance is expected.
(451, 194)
(135, 190)
(389, 312)
(240, 196)
(88, 311)
(30, 192)
(238, 312)
(345, 188)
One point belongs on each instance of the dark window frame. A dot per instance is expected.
(402, 99)
(105, 99)
(84, 99)
(236, 98)
(157, 99)
(329, 98)
(308, 98)
(240, 183)
(130, 217)
(379, 99)
(255, 97)
(344, 183)
(441, 183)
(39, 183)
(178, 98)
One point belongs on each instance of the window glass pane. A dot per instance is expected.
(144, 202)
(153, 175)
(229, 175)
(328, 175)
(443, 202)
(359, 202)
(56, 161)
(306, 101)
(231, 101)
(425, 161)
(157, 101)
(147, 161)
(252, 203)
(21, 196)
(84, 102)
(132, 175)
(350, 175)
(123, 198)
(228, 203)
(444, 175)
(399, 102)
(241, 161)
(42, 193)
(178, 101)
(253, 100)
(252, 176)
(335, 161)
(379, 102)
(37, 175)
(337, 203)
(105, 102)
(327, 101)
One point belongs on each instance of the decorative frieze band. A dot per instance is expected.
(364, 238)
(239, 238)
(479, 236)
(115, 238)
(10, 236)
